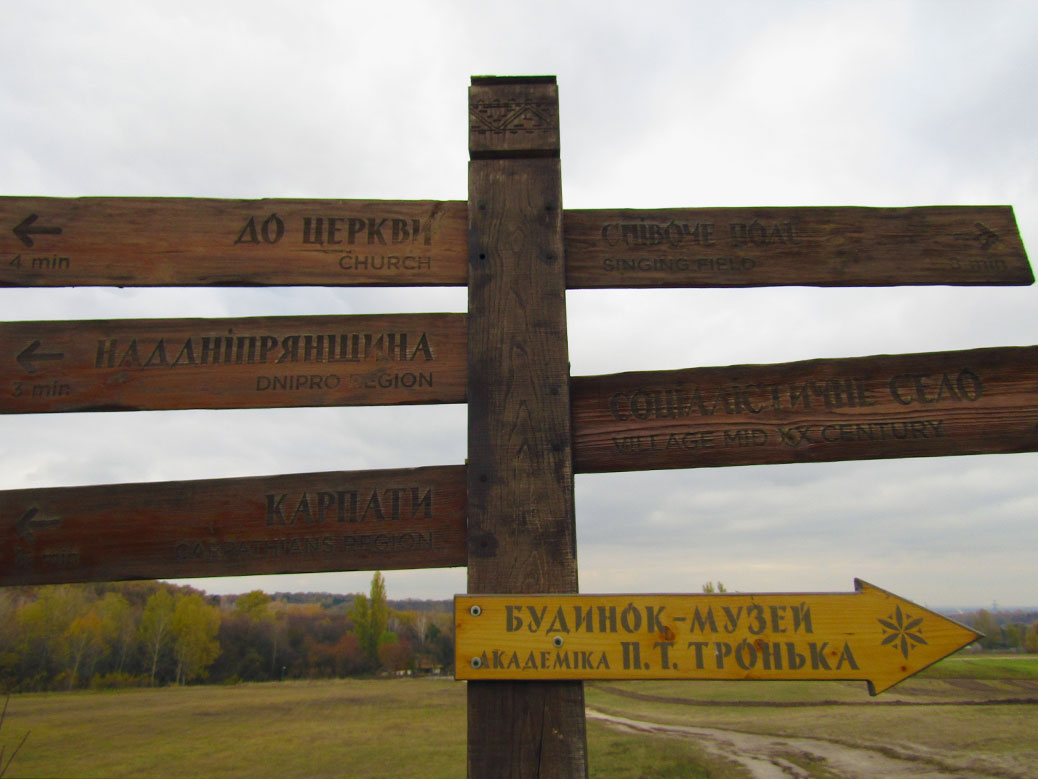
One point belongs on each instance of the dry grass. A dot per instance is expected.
(403, 727)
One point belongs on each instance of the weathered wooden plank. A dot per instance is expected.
(980, 401)
(520, 477)
(258, 362)
(51, 242)
(336, 521)
(753, 247)
(870, 634)
(55, 242)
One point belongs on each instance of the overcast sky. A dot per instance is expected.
(662, 104)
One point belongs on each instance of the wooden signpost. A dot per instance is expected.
(522, 534)
(525, 638)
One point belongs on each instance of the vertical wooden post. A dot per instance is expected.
(521, 534)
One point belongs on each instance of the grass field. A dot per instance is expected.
(984, 667)
(967, 717)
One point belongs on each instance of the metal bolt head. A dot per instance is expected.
(475, 662)
(557, 641)
(475, 610)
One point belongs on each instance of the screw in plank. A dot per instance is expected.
(557, 641)
(475, 611)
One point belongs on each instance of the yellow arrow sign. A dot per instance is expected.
(870, 634)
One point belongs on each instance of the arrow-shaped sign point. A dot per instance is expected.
(29, 522)
(914, 637)
(25, 229)
(31, 355)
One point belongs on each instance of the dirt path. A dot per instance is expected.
(780, 757)
(993, 697)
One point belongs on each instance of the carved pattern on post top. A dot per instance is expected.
(500, 117)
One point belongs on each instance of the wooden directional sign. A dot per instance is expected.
(51, 242)
(232, 363)
(980, 401)
(752, 247)
(338, 521)
(871, 635)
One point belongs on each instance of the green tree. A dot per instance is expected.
(263, 625)
(155, 625)
(1031, 638)
(255, 605)
(44, 626)
(379, 607)
(710, 588)
(9, 606)
(360, 614)
(9, 637)
(1014, 636)
(439, 640)
(118, 627)
(194, 627)
(371, 618)
(984, 622)
(83, 639)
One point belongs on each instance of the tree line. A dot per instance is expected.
(1006, 631)
(104, 635)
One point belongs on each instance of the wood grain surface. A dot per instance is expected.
(825, 247)
(138, 241)
(256, 362)
(870, 634)
(520, 476)
(53, 242)
(336, 521)
(981, 401)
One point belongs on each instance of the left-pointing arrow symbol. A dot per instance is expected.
(31, 355)
(30, 522)
(25, 229)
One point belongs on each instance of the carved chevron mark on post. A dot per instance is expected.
(512, 114)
